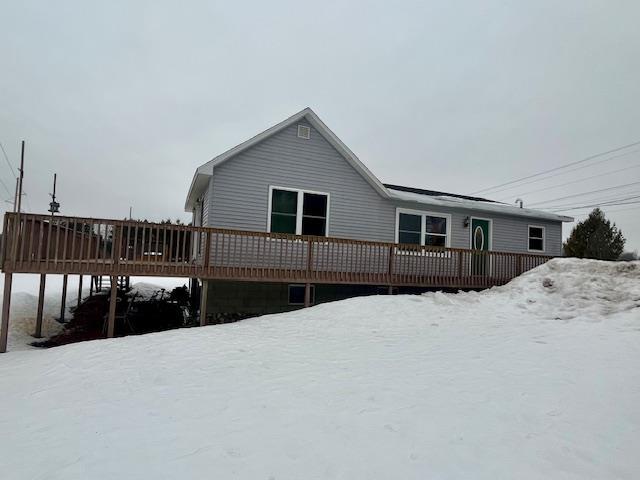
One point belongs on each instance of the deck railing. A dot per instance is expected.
(75, 245)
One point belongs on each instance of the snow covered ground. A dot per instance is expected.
(537, 379)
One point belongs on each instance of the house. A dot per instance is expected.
(299, 178)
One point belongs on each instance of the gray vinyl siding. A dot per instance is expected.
(510, 233)
(240, 187)
(237, 196)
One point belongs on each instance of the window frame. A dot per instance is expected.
(301, 128)
(423, 226)
(543, 238)
(300, 207)
(312, 292)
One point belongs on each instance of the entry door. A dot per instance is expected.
(480, 239)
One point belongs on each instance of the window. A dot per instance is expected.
(536, 238)
(284, 211)
(410, 229)
(298, 212)
(435, 231)
(296, 294)
(314, 214)
(421, 228)
(304, 132)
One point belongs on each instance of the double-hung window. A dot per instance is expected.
(536, 239)
(423, 228)
(298, 212)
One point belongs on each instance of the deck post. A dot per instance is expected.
(91, 286)
(307, 295)
(43, 281)
(79, 290)
(6, 305)
(63, 302)
(113, 298)
(390, 266)
(203, 302)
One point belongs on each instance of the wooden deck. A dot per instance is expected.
(42, 244)
(89, 246)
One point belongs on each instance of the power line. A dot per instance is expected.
(591, 157)
(623, 201)
(8, 162)
(628, 209)
(601, 200)
(576, 181)
(6, 188)
(536, 180)
(586, 193)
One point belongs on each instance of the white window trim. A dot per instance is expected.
(299, 211)
(423, 233)
(312, 292)
(544, 238)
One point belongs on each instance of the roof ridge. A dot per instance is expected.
(435, 193)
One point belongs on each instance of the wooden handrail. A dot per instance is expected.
(45, 244)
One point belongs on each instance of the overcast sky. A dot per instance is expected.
(125, 99)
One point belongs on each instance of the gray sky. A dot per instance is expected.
(125, 99)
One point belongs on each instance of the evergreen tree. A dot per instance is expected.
(596, 238)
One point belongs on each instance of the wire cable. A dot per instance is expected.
(623, 201)
(8, 162)
(586, 193)
(575, 181)
(591, 157)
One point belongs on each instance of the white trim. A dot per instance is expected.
(312, 300)
(544, 238)
(299, 206)
(423, 233)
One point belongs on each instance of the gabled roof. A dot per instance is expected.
(202, 174)
(392, 192)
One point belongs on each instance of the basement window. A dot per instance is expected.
(536, 238)
(296, 294)
(298, 212)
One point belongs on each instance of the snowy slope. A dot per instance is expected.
(524, 381)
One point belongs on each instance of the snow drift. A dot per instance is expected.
(536, 379)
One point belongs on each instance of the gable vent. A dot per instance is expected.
(304, 132)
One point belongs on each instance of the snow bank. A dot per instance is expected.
(524, 381)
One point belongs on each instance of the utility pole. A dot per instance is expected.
(15, 196)
(21, 177)
(130, 212)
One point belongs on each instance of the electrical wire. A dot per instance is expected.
(599, 201)
(555, 175)
(575, 181)
(586, 193)
(8, 162)
(625, 201)
(591, 157)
